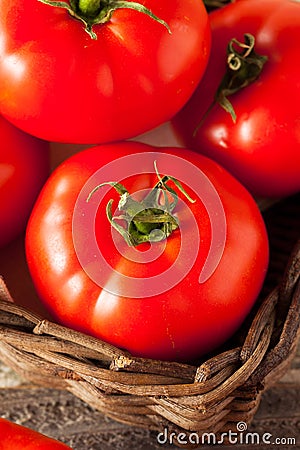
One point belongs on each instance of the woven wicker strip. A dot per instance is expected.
(211, 396)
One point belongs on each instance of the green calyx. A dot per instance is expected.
(95, 12)
(149, 220)
(243, 67)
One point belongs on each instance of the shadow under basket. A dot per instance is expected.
(212, 396)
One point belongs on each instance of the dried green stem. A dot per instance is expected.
(243, 67)
(148, 220)
(96, 12)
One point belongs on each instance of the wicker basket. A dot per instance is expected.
(212, 396)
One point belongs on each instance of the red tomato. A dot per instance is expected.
(59, 84)
(18, 437)
(262, 147)
(24, 167)
(173, 299)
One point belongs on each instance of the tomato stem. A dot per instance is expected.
(97, 12)
(90, 8)
(243, 67)
(149, 220)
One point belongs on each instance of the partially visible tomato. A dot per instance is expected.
(262, 148)
(173, 299)
(17, 437)
(24, 167)
(60, 84)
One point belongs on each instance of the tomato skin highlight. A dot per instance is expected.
(18, 437)
(180, 322)
(262, 147)
(24, 167)
(60, 85)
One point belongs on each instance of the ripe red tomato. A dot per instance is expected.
(18, 437)
(24, 167)
(59, 84)
(262, 147)
(173, 299)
